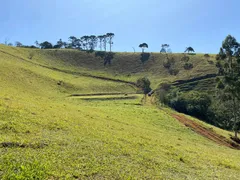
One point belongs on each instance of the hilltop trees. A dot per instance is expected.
(18, 44)
(83, 43)
(60, 44)
(75, 43)
(143, 46)
(101, 37)
(110, 36)
(229, 84)
(46, 45)
(93, 40)
(189, 49)
(165, 48)
(105, 42)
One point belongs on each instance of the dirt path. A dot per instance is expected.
(103, 94)
(207, 76)
(206, 132)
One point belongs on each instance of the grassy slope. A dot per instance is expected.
(125, 66)
(111, 139)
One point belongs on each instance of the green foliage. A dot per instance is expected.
(207, 56)
(46, 45)
(165, 48)
(169, 62)
(185, 58)
(188, 66)
(110, 37)
(31, 55)
(162, 92)
(108, 58)
(144, 84)
(229, 86)
(100, 54)
(192, 103)
(189, 49)
(173, 71)
(144, 57)
(18, 44)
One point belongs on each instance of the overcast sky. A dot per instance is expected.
(202, 24)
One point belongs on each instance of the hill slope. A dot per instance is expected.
(46, 134)
(124, 66)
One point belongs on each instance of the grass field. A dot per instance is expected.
(47, 134)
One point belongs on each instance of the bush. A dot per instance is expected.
(144, 84)
(188, 66)
(100, 54)
(210, 62)
(108, 58)
(31, 55)
(168, 62)
(145, 57)
(173, 71)
(185, 58)
(192, 103)
(206, 56)
(196, 104)
(162, 92)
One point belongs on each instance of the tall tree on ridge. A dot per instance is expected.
(110, 36)
(93, 42)
(105, 42)
(143, 46)
(100, 37)
(189, 49)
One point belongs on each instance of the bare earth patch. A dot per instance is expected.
(206, 132)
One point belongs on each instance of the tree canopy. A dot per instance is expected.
(229, 81)
(189, 49)
(143, 46)
(46, 45)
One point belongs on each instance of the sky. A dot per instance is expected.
(201, 24)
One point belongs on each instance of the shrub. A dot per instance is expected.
(188, 66)
(145, 57)
(31, 55)
(192, 103)
(206, 56)
(166, 64)
(185, 58)
(210, 62)
(173, 71)
(144, 85)
(100, 54)
(169, 62)
(108, 58)
(162, 92)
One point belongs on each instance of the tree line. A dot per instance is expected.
(165, 48)
(87, 43)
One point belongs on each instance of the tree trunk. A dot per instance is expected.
(235, 118)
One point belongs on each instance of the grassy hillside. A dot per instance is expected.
(46, 134)
(124, 66)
